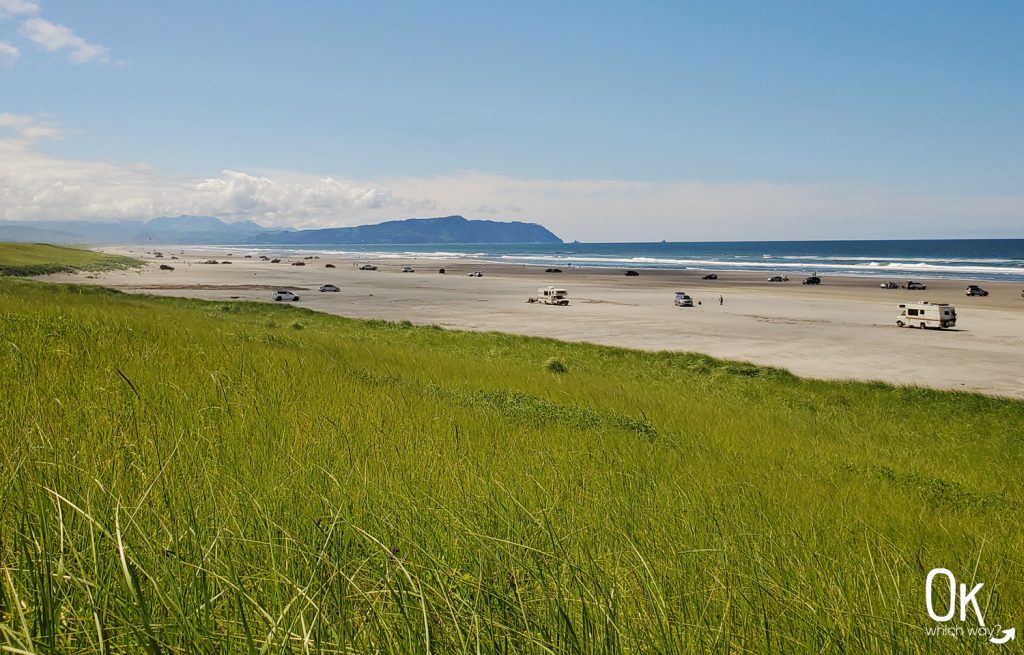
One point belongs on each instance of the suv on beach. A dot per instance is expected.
(778, 278)
(367, 267)
(476, 274)
(286, 296)
(408, 269)
(710, 276)
(914, 286)
(889, 285)
(814, 279)
(975, 290)
(328, 288)
(683, 299)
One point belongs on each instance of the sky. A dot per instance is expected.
(603, 121)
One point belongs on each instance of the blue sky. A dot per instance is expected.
(603, 120)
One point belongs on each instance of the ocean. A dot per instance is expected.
(988, 259)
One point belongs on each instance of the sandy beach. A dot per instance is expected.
(842, 329)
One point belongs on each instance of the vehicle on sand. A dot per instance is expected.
(551, 296)
(683, 299)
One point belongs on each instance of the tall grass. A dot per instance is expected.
(24, 259)
(193, 477)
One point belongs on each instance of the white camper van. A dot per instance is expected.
(551, 296)
(926, 314)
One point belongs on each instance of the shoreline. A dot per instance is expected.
(842, 329)
(855, 266)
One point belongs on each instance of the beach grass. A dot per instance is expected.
(185, 476)
(26, 259)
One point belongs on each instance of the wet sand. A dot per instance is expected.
(843, 329)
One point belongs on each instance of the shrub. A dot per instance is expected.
(556, 365)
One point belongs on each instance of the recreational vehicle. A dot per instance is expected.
(551, 296)
(926, 314)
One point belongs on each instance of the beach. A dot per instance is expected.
(842, 329)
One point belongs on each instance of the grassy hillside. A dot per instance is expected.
(186, 476)
(41, 259)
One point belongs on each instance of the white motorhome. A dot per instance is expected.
(551, 296)
(926, 314)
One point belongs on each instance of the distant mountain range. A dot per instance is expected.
(207, 230)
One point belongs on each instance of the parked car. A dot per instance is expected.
(298, 263)
(275, 261)
(814, 279)
(778, 278)
(552, 270)
(166, 267)
(631, 274)
(476, 274)
(408, 269)
(710, 276)
(683, 300)
(328, 265)
(367, 267)
(286, 296)
(325, 288)
(975, 290)
(914, 286)
(889, 285)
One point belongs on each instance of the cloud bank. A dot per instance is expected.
(36, 185)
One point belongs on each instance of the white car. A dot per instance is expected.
(287, 296)
(408, 269)
(329, 287)
(683, 299)
(476, 274)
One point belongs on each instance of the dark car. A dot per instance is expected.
(328, 265)
(889, 285)
(814, 279)
(165, 267)
(552, 270)
(710, 276)
(631, 274)
(914, 286)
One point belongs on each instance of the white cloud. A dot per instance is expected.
(17, 8)
(35, 185)
(8, 53)
(54, 38)
(29, 129)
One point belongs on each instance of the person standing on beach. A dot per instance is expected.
(721, 301)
